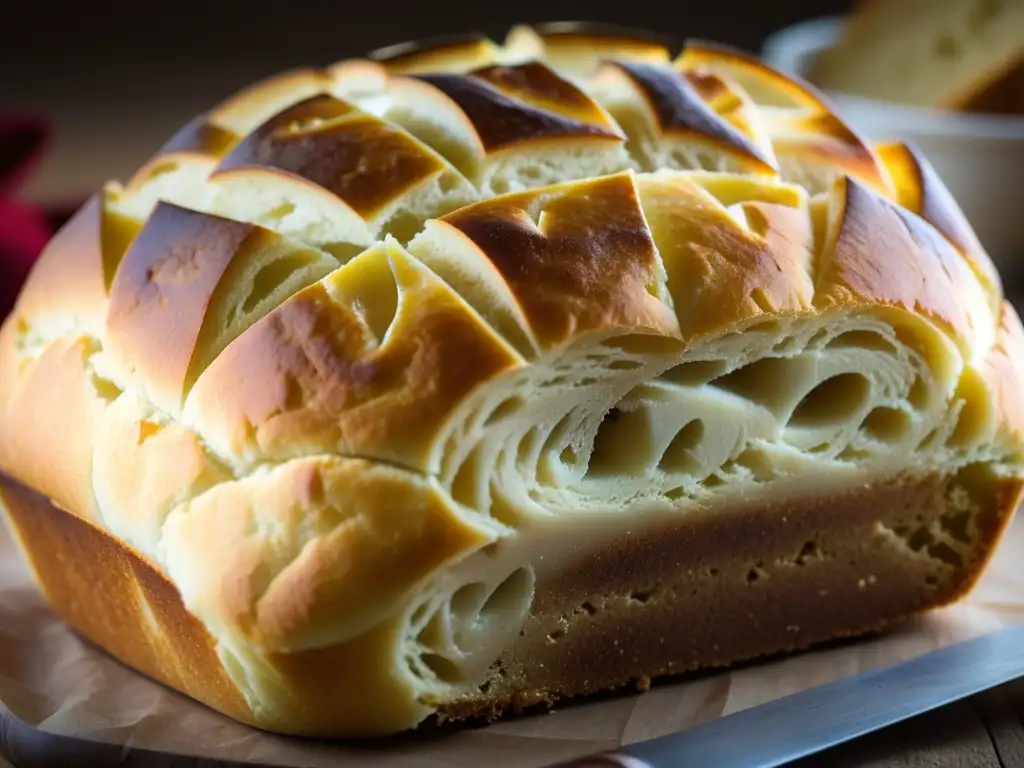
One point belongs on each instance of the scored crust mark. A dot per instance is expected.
(733, 104)
(813, 145)
(449, 54)
(672, 124)
(579, 48)
(921, 272)
(375, 168)
(85, 253)
(501, 121)
(567, 281)
(766, 85)
(215, 132)
(921, 191)
(501, 142)
(177, 177)
(381, 344)
(410, 330)
(258, 103)
(202, 136)
(259, 146)
(188, 285)
(806, 145)
(760, 272)
(679, 108)
(536, 83)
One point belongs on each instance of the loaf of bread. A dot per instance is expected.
(954, 54)
(468, 377)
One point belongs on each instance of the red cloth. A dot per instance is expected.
(24, 227)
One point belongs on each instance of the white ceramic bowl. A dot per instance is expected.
(980, 157)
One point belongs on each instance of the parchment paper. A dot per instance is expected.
(56, 682)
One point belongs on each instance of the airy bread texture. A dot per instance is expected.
(471, 376)
(953, 54)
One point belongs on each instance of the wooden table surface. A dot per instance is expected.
(984, 732)
(123, 123)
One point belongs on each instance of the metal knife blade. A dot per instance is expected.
(811, 721)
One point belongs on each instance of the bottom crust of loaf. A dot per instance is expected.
(762, 578)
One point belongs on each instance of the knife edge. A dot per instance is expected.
(809, 722)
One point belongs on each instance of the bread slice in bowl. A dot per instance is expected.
(956, 54)
(489, 378)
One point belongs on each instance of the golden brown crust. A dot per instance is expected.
(262, 100)
(121, 601)
(920, 190)
(581, 46)
(568, 282)
(501, 123)
(1004, 370)
(29, 419)
(361, 359)
(335, 384)
(332, 144)
(141, 616)
(164, 300)
(908, 267)
(536, 83)
(680, 110)
(202, 136)
(81, 258)
(163, 290)
(765, 83)
(144, 467)
(449, 53)
(758, 272)
(807, 128)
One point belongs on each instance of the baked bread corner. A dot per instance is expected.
(470, 376)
